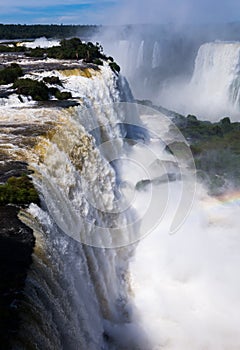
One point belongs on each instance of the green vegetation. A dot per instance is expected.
(12, 48)
(216, 150)
(71, 49)
(52, 80)
(18, 31)
(18, 190)
(9, 74)
(97, 61)
(206, 136)
(215, 147)
(64, 95)
(114, 66)
(36, 89)
(39, 91)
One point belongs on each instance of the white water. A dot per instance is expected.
(214, 89)
(156, 57)
(216, 76)
(186, 285)
(138, 60)
(40, 42)
(77, 296)
(140, 55)
(182, 290)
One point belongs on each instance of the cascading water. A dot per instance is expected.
(77, 296)
(156, 55)
(213, 90)
(164, 291)
(140, 55)
(78, 293)
(216, 75)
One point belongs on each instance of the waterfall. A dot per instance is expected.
(124, 49)
(140, 55)
(115, 178)
(156, 55)
(213, 90)
(96, 205)
(77, 293)
(216, 75)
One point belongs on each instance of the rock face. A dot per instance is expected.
(16, 247)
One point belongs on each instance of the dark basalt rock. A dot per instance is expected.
(11, 168)
(16, 247)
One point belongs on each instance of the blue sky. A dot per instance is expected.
(118, 11)
(55, 11)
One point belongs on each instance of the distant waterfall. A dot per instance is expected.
(213, 90)
(156, 55)
(124, 51)
(140, 55)
(216, 77)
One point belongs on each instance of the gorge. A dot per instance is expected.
(114, 178)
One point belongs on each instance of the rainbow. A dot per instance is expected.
(228, 199)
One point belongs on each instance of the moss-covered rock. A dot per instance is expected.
(18, 190)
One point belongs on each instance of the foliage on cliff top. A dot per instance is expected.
(52, 80)
(71, 49)
(215, 147)
(9, 74)
(114, 66)
(36, 89)
(216, 150)
(18, 190)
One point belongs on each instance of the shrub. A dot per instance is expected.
(64, 95)
(37, 52)
(71, 49)
(52, 80)
(114, 66)
(97, 61)
(36, 89)
(9, 74)
(18, 190)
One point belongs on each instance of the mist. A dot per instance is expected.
(174, 12)
(185, 286)
(156, 43)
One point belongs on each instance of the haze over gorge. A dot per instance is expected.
(120, 189)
